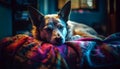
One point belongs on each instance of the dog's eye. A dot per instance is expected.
(48, 28)
(60, 26)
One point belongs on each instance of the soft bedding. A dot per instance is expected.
(25, 52)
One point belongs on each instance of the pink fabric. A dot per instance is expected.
(27, 52)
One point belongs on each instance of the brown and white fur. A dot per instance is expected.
(56, 28)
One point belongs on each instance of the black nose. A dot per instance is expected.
(59, 40)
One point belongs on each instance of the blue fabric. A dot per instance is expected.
(25, 52)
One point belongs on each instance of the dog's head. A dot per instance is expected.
(51, 28)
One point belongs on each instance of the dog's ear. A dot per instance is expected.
(35, 16)
(65, 11)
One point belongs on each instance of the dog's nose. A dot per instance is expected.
(59, 40)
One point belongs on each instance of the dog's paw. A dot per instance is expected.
(75, 37)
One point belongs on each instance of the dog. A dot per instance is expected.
(57, 28)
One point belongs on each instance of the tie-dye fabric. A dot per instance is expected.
(25, 52)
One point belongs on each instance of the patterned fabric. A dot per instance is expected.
(25, 52)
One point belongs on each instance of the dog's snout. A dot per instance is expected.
(58, 39)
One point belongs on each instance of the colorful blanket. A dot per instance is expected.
(25, 52)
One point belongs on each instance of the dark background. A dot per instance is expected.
(14, 18)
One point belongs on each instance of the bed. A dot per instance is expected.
(25, 52)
